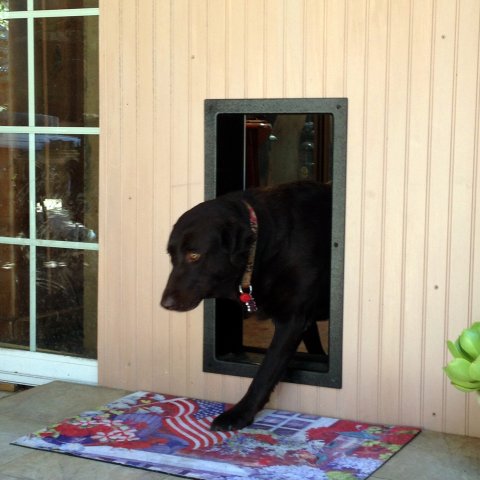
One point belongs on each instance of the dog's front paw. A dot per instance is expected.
(233, 419)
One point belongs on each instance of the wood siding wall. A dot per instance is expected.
(410, 70)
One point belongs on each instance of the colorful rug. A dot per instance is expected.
(171, 434)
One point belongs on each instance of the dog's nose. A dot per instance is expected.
(168, 302)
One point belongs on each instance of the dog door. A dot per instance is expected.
(250, 143)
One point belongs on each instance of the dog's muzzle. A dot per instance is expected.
(173, 303)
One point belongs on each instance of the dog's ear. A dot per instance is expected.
(236, 240)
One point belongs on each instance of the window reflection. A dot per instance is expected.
(14, 185)
(66, 71)
(67, 187)
(13, 73)
(49, 181)
(14, 296)
(67, 301)
(61, 4)
(12, 5)
(283, 148)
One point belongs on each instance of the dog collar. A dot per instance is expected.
(245, 288)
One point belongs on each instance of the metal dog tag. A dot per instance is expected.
(247, 299)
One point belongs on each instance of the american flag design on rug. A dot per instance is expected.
(191, 419)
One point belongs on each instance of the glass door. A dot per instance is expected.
(49, 131)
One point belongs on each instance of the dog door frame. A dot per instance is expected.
(305, 368)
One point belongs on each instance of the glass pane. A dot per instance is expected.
(67, 187)
(13, 73)
(14, 296)
(66, 71)
(60, 4)
(13, 5)
(282, 148)
(67, 301)
(14, 185)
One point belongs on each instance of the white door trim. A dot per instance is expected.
(36, 368)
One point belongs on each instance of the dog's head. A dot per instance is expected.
(208, 248)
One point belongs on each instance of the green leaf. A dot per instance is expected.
(470, 342)
(476, 327)
(456, 350)
(474, 370)
(472, 385)
(458, 370)
(464, 389)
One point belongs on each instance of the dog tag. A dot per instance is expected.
(247, 299)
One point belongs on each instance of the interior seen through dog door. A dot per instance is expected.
(251, 143)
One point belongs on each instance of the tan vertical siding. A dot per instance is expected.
(413, 261)
(411, 73)
(162, 147)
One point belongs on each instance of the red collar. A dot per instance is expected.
(245, 288)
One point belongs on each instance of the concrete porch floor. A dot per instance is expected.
(431, 456)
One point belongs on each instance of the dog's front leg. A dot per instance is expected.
(285, 341)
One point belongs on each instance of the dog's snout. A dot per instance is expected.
(178, 301)
(168, 302)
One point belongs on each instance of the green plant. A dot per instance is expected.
(464, 369)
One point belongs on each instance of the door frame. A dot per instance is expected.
(36, 368)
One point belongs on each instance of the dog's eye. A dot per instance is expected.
(192, 257)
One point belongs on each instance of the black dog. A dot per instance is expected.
(217, 252)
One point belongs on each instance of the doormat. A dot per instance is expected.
(170, 434)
